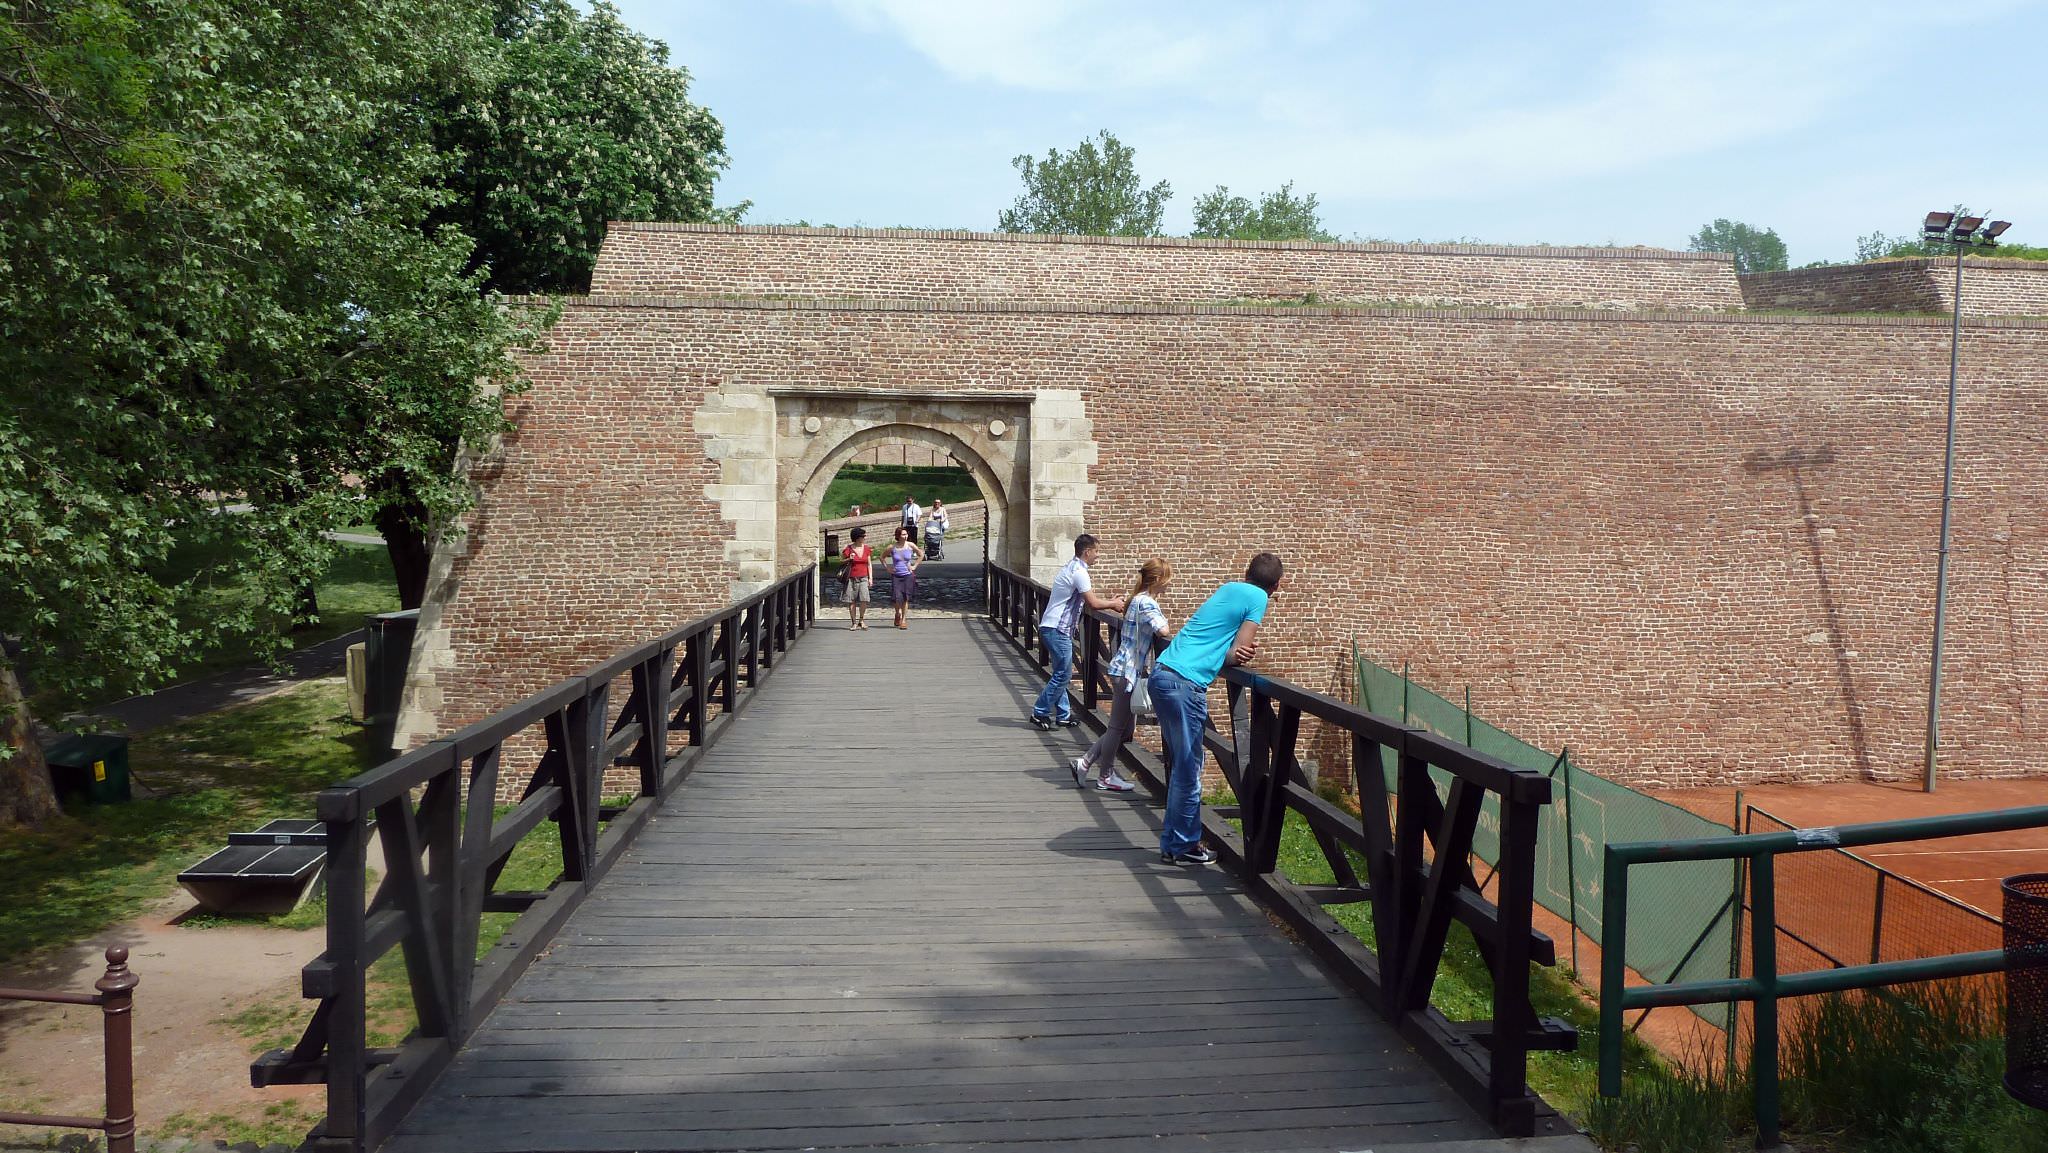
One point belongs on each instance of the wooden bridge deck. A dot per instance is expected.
(880, 916)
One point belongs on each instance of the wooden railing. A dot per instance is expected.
(1414, 842)
(443, 852)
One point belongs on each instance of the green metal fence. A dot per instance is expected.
(1683, 917)
(1768, 982)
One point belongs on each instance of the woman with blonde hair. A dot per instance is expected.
(1143, 620)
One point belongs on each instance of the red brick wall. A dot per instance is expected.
(718, 260)
(1697, 548)
(1990, 288)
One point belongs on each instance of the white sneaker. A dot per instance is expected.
(1114, 783)
(1080, 768)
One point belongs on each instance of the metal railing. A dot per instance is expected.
(444, 853)
(115, 995)
(1414, 841)
(1767, 985)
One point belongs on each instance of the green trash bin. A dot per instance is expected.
(92, 765)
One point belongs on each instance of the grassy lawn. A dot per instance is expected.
(878, 488)
(1464, 987)
(234, 769)
(358, 584)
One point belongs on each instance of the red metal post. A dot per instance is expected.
(117, 1013)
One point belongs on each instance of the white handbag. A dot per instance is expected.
(1141, 696)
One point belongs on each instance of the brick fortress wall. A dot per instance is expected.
(774, 261)
(1695, 547)
(1990, 288)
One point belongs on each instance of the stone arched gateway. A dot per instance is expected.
(778, 447)
(808, 461)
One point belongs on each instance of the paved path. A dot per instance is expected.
(137, 715)
(852, 929)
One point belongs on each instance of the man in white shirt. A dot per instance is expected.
(913, 515)
(1071, 589)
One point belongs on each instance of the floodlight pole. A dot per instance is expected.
(1948, 475)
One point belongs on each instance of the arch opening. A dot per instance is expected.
(800, 502)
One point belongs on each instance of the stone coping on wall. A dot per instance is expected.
(1377, 246)
(1611, 316)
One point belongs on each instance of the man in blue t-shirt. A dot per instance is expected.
(1224, 631)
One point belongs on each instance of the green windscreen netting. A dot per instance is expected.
(1681, 916)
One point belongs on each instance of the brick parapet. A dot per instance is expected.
(813, 263)
(1991, 288)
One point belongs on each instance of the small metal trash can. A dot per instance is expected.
(2026, 988)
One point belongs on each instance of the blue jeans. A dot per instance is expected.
(1054, 695)
(1183, 708)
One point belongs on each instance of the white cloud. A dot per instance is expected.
(1386, 104)
(1053, 45)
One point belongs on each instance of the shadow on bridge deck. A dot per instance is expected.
(879, 915)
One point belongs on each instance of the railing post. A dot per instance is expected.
(1763, 951)
(117, 1018)
(1508, 1070)
(1613, 967)
(751, 619)
(697, 650)
(650, 685)
(347, 1103)
(1091, 672)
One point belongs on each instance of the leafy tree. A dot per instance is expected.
(1754, 251)
(578, 121)
(1279, 215)
(1089, 191)
(584, 122)
(219, 282)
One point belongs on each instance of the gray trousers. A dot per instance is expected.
(1122, 723)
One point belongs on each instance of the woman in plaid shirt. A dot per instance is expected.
(1143, 620)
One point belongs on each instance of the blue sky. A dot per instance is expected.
(1501, 123)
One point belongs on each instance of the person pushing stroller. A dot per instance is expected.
(935, 526)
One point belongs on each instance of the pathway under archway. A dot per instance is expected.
(778, 448)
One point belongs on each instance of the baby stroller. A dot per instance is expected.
(934, 543)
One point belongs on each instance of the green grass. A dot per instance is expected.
(277, 1024)
(1464, 986)
(282, 1123)
(1910, 1069)
(229, 770)
(879, 488)
(358, 584)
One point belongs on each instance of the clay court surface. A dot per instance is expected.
(1966, 868)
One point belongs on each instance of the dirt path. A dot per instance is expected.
(189, 1061)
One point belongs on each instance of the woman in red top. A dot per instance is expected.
(858, 557)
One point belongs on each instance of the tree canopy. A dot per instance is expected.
(1278, 215)
(1754, 250)
(1091, 191)
(581, 121)
(240, 290)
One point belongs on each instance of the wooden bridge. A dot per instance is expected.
(866, 909)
